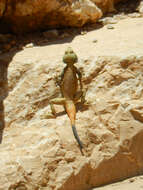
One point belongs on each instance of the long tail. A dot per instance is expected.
(77, 138)
(71, 111)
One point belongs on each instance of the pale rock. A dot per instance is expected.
(39, 153)
(140, 7)
(134, 15)
(30, 45)
(108, 20)
(110, 26)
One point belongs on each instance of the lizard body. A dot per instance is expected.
(69, 80)
(68, 83)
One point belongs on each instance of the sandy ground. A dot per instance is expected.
(125, 39)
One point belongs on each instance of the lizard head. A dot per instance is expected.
(70, 57)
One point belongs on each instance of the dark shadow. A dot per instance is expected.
(3, 93)
(128, 6)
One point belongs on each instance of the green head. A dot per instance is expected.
(70, 57)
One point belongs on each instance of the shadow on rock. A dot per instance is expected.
(3, 93)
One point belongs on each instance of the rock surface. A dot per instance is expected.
(42, 154)
(23, 16)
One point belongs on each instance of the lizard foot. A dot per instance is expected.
(48, 116)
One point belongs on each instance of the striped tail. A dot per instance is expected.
(77, 137)
(71, 111)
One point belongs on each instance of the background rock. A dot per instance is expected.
(23, 16)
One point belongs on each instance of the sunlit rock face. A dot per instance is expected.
(40, 153)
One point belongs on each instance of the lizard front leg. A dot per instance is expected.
(58, 79)
(83, 100)
(80, 94)
(79, 78)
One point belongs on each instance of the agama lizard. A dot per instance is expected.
(69, 84)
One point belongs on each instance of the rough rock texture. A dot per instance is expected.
(42, 154)
(24, 16)
(39, 153)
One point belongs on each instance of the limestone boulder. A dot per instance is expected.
(41, 153)
(31, 15)
(24, 16)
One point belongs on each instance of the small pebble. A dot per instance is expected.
(29, 45)
(83, 32)
(131, 180)
(108, 20)
(113, 21)
(95, 40)
(110, 27)
(120, 16)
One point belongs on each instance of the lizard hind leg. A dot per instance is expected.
(57, 101)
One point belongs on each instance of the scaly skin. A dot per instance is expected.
(68, 83)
